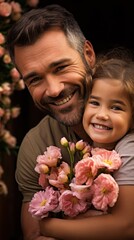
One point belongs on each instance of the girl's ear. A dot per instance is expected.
(89, 53)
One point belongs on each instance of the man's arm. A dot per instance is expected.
(30, 226)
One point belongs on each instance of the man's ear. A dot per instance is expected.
(89, 53)
(132, 124)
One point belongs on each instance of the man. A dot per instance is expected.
(55, 61)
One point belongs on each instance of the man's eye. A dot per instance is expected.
(60, 68)
(34, 80)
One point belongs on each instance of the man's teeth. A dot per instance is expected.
(65, 100)
(101, 126)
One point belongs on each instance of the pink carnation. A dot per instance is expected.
(71, 205)
(44, 202)
(85, 171)
(105, 192)
(81, 191)
(49, 158)
(59, 176)
(106, 159)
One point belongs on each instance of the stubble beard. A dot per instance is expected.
(70, 117)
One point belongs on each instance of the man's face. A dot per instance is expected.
(55, 76)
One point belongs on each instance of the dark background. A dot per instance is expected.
(106, 24)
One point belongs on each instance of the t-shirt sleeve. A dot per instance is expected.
(47, 132)
(26, 176)
(125, 148)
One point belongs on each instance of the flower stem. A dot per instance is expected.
(71, 163)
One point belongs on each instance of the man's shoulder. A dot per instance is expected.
(46, 124)
(47, 120)
(48, 131)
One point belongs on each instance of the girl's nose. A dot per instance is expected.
(102, 114)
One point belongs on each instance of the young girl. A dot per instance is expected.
(109, 112)
(109, 121)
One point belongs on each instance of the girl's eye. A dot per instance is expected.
(95, 103)
(116, 108)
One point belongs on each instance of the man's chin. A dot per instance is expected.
(69, 117)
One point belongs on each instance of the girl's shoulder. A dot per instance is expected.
(127, 142)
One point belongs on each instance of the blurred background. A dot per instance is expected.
(106, 24)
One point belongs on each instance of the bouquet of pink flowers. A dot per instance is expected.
(72, 188)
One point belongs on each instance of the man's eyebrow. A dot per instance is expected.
(53, 64)
(61, 61)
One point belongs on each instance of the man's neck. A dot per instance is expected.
(79, 130)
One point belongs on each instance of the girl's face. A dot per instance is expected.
(108, 113)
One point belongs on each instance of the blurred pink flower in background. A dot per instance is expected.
(5, 9)
(10, 79)
(32, 3)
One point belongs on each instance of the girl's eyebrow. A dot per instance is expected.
(112, 100)
(95, 97)
(118, 101)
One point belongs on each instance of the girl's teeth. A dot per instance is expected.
(101, 127)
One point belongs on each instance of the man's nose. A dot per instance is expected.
(54, 87)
